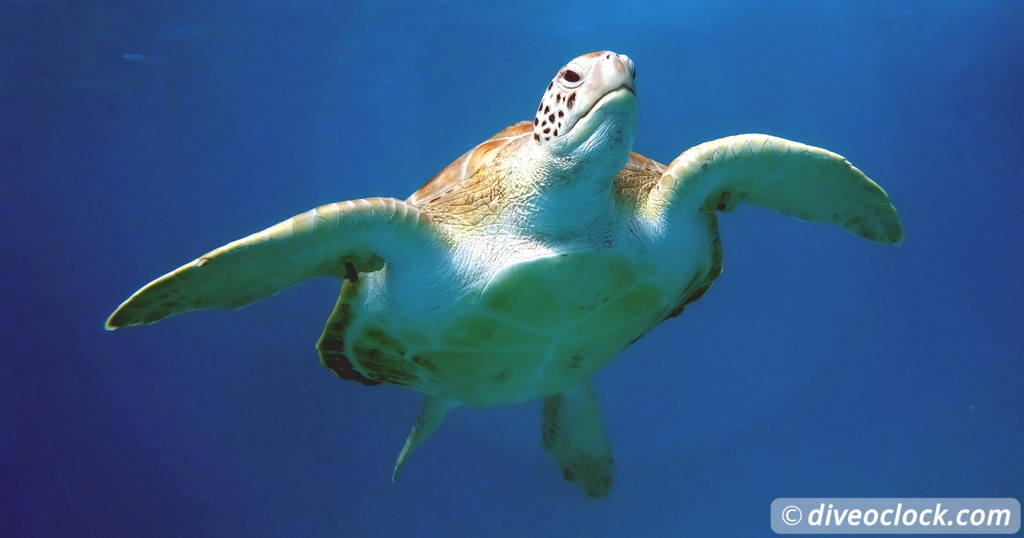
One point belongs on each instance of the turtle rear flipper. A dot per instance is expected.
(431, 415)
(323, 241)
(573, 433)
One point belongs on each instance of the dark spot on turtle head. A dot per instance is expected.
(551, 118)
(572, 100)
(535, 121)
(536, 137)
(551, 84)
(568, 474)
(547, 109)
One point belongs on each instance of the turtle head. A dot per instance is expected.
(589, 110)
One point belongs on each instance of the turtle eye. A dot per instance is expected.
(571, 76)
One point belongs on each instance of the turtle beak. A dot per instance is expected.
(627, 64)
(617, 71)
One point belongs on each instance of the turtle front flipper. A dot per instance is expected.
(573, 433)
(323, 241)
(801, 181)
(431, 415)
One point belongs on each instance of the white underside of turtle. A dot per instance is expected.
(529, 262)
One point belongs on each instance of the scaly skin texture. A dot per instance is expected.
(535, 329)
(529, 262)
(532, 328)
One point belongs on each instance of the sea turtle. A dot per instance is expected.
(528, 262)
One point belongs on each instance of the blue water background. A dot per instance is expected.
(135, 136)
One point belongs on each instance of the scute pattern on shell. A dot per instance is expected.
(634, 182)
(469, 163)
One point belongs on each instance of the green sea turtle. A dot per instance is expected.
(529, 262)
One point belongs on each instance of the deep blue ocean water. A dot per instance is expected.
(138, 135)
